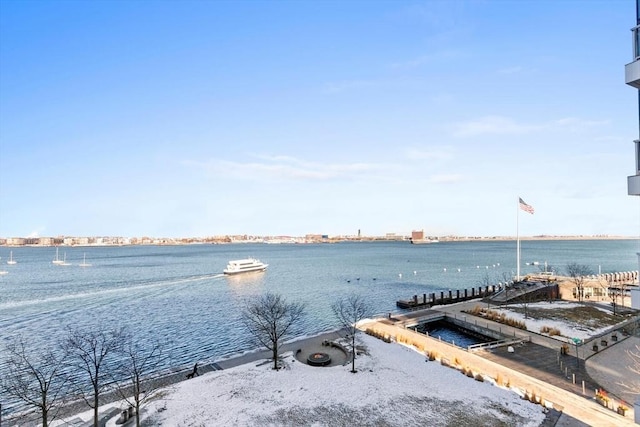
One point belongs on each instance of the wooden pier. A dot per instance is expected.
(448, 297)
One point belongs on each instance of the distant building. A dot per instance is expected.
(45, 241)
(15, 241)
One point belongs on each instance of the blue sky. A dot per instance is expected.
(197, 118)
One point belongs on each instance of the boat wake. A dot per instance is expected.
(166, 285)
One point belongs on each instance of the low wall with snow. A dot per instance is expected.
(576, 406)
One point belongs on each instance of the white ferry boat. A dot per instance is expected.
(244, 266)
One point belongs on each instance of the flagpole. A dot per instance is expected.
(518, 241)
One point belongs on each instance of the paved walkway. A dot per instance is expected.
(610, 368)
(540, 358)
(74, 413)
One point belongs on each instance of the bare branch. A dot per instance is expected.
(35, 379)
(270, 318)
(578, 274)
(349, 311)
(91, 353)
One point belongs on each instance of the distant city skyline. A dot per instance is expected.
(174, 119)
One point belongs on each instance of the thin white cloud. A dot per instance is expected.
(36, 233)
(440, 56)
(500, 125)
(290, 168)
(492, 125)
(576, 124)
(446, 179)
(346, 85)
(437, 153)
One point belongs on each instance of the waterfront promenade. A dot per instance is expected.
(534, 366)
(531, 367)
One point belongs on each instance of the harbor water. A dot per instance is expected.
(177, 295)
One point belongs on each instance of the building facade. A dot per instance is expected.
(632, 78)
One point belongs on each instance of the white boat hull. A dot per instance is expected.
(244, 266)
(249, 270)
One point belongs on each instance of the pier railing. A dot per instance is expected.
(448, 297)
(496, 344)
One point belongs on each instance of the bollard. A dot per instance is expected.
(583, 389)
(574, 378)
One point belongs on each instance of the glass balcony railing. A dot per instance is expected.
(636, 42)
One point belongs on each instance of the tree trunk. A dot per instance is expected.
(45, 412)
(275, 355)
(353, 350)
(136, 397)
(95, 404)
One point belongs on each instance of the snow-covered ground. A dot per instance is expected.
(394, 386)
(567, 329)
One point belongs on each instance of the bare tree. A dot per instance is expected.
(349, 311)
(623, 286)
(484, 282)
(91, 353)
(578, 274)
(134, 374)
(507, 280)
(270, 319)
(35, 378)
(610, 291)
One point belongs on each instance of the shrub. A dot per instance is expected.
(549, 330)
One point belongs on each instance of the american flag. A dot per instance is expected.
(525, 207)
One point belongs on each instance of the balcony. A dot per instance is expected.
(632, 70)
(633, 184)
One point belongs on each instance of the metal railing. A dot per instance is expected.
(636, 42)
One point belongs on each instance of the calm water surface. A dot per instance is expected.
(177, 294)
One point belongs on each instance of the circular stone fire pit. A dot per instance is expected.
(319, 359)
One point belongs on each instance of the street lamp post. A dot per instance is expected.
(577, 341)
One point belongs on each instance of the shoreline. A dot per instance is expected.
(120, 242)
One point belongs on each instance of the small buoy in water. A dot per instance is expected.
(498, 264)
(458, 270)
(445, 270)
(374, 278)
(486, 266)
(415, 272)
(477, 266)
(399, 274)
(358, 278)
(348, 281)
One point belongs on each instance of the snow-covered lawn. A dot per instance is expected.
(566, 327)
(394, 387)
